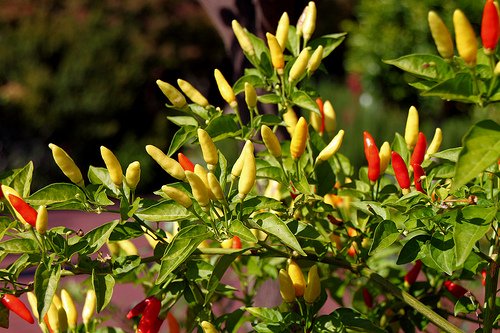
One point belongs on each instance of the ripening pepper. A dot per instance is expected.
(300, 65)
(315, 60)
(133, 175)
(418, 173)
(171, 166)
(401, 172)
(14, 304)
(89, 306)
(236, 243)
(174, 96)
(248, 175)
(287, 289)
(277, 58)
(24, 212)
(238, 165)
(483, 277)
(185, 162)
(226, 91)
(42, 219)
(331, 148)
(227, 243)
(290, 119)
(215, 187)
(243, 39)
(67, 165)
(411, 275)
(300, 22)
(208, 327)
(330, 118)
(435, 143)
(309, 21)
(113, 166)
(385, 156)
(456, 290)
(367, 298)
(270, 141)
(299, 139)
(372, 156)
(69, 308)
(411, 129)
(313, 288)
(192, 93)
(250, 96)
(177, 195)
(173, 324)
(317, 120)
(282, 30)
(208, 149)
(441, 35)
(490, 27)
(417, 157)
(297, 277)
(200, 191)
(465, 38)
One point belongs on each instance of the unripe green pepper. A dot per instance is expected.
(113, 166)
(174, 96)
(192, 93)
(282, 30)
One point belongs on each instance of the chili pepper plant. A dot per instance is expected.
(407, 242)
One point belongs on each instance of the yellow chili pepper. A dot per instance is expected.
(177, 195)
(174, 96)
(273, 190)
(435, 143)
(290, 119)
(66, 164)
(330, 117)
(299, 139)
(203, 174)
(287, 289)
(192, 93)
(243, 39)
(8, 192)
(441, 35)
(250, 96)
(215, 187)
(208, 327)
(208, 149)
(53, 318)
(277, 58)
(70, 308)
(238, 165)
(227, 243)
(300, 22)
(331, 148)
(62, 317)
(300, 65)
(248, 174)
(297, 277)
(226, 91)
(313, 288)
(496, 71)
(465, 38)
(282, 30)
(133, 174)
(113, 166)
(271, 141)
(200, 191)
(114, 248)
(42, 219)
(411, 129)
(33, 303)
(315, 120)
(309, 21)
(315, 60)
(89, 306)
(385, 156)
(128, 247)
(171, 166)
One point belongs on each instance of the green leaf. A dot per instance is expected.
(481, 148)
(451, 154)
(267, 315)
(385, 235)
(58, 193)
(222, 127)
(103, 286)
(98, 236)
(4, 316)
(329, 42)
(183, 121)
(19, 179)
(355, 320)
(465, 305)
(181, 247)
(46, 282)
(411, 250)
(399, 145)
(269, 99)
(181, 137)
(459, 88)
(20, 245)
(100, 176)
(237, 228)
(254, 80)
(305, 101)
(164, 211)
(440, 253)
(273, 225)
(424, 65)
(220, 268)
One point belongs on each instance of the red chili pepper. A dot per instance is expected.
(15, 305)
(137, 310)
(24, 209)
(483, 277)
(419, 151)
(236, 242)
(173, 325)
(400, 170)
(319, 102)
(149, 319)
(367, 297)
(418, 172)
(185, 162)
(455, 289)
(490, 27)
(156, 326)
(411, 275)
(1, 192)
(372, 156)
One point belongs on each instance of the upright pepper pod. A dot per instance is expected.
(42, 219)
(67, 165)
(315, 60)
(33, 303)
(299, 139)
(226, 91)
(372, 156)
(227, 243)
(200, 191)
(185, 162)
(133, 174)
(435, 143)
(277, 57)
(69, 308)
(89, 306)
(14, 304)
(317, 120)
(53, 318)
(441, 35)
(490, 27)
(290, 119)
(465, 38)
(297, 277)
(250, 96)
(282, 30)
(174, 96)
(208, 327)
(309, 21)
(331, 148)
(300, 65)
(418, 173)
(417, 157)
(177, 195)
(23, 211)
(215, 187)
(208, 149)
(248, 175)
(411, 129)
(330, 117)
(243, 39)
(113, 166)
(401, 172)
(171, 166)
(270, 141)
(238, 165)
(313, 288)
(287, 290)
(385, 156)
(300, 22)
(192, 93)
(203, 174)
(412, 274)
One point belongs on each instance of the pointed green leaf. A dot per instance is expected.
(164, 211)
(385, 235)
(57, 193)
(424, 65)
(181, 137)
(98, 236)
(46, 282)
(103, 286)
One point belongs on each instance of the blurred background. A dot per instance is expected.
(81, 73)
